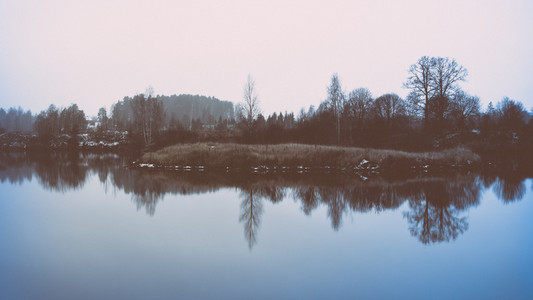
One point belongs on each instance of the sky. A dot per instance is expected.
(93, 53)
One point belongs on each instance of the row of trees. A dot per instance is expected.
(147, 116)
(435, 97)
(15, 119)
(54, 121)
(185, 111)
(144, 116)
(358, 111)
(435, 105)
(508, 115)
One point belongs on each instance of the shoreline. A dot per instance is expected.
(302, 158)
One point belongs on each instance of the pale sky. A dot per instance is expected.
(94, 53)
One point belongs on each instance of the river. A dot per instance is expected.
(88, 227)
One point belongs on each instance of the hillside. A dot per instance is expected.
(207, 109)
(180, 108)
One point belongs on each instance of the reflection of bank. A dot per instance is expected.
(435, 203)
(508, 185)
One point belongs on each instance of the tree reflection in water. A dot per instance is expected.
(436, 203)
(308, 196)
(509, 188)
(62, 172)
(252, 194)
(251, 212)
(433, 223)
(15, 167)
(435, 212)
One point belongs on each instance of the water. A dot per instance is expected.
(86, 227)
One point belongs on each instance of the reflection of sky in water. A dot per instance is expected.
(86, 243)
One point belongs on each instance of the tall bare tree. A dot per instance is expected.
(250, 106)
(433, 82)
(335, 102)
(147, 116)
(419, 81)
(445, 75)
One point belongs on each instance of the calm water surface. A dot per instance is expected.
(86, 227)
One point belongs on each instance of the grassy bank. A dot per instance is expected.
(221, 156)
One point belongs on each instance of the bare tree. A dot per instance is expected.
(414, 106)
(433, 82)
(250, 106)
(419, 81)
(357, 109)
(148, 116)
(155, 117)
(445, 75)
(359, 103)
(389, 107)
(138, 105)
(335, 102)
(511, 114)
(464, 108)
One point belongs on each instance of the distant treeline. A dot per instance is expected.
(437, 113)
(189, 111)
(15, 119)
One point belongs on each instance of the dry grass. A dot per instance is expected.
(293, 155)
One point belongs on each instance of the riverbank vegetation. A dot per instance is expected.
(437, 116)
(302, 157)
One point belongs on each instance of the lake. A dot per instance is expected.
(88, 227)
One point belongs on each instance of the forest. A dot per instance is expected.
(436, 114)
